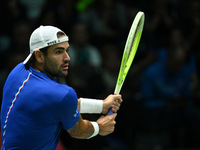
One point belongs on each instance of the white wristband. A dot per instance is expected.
(96, 129)
(91, 105)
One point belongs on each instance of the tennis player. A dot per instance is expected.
(35, 106)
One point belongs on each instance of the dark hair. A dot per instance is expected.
(59, 34)
(32, 60)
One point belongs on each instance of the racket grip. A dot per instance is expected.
(110, 112)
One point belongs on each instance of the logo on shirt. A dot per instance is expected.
(75, 115)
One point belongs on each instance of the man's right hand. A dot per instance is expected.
(106, 124)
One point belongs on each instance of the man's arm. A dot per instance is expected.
(112, 101)
(83, 129)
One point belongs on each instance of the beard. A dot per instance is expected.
(53, 70)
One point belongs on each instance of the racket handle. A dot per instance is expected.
(110, 112)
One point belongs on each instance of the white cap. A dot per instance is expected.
(42, 37)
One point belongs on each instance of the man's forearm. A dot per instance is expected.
(83, 129)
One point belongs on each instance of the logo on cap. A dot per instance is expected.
(51, 43)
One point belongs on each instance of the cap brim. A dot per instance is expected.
(27, 58)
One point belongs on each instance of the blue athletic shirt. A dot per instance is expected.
(34, 109)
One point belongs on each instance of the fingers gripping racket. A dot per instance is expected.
(130, 49)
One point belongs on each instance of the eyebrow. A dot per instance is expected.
(61, 48)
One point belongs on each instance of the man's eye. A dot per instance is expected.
(58, 52)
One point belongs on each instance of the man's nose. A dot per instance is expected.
(66, 56)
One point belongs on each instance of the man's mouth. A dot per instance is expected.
(65, 67)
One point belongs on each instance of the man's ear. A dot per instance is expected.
(39, 56)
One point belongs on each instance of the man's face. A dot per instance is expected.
(56, 62)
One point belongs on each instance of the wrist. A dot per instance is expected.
(105, 107)
(96, 129)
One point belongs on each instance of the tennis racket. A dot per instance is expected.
(130, 49)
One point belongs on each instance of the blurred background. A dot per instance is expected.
(161, 107)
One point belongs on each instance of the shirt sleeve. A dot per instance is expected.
(69, 110)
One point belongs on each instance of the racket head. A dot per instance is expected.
(130, 49)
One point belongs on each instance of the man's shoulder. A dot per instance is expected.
(57, 89)
(61, 88)
(20, 67)
(19, 73)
